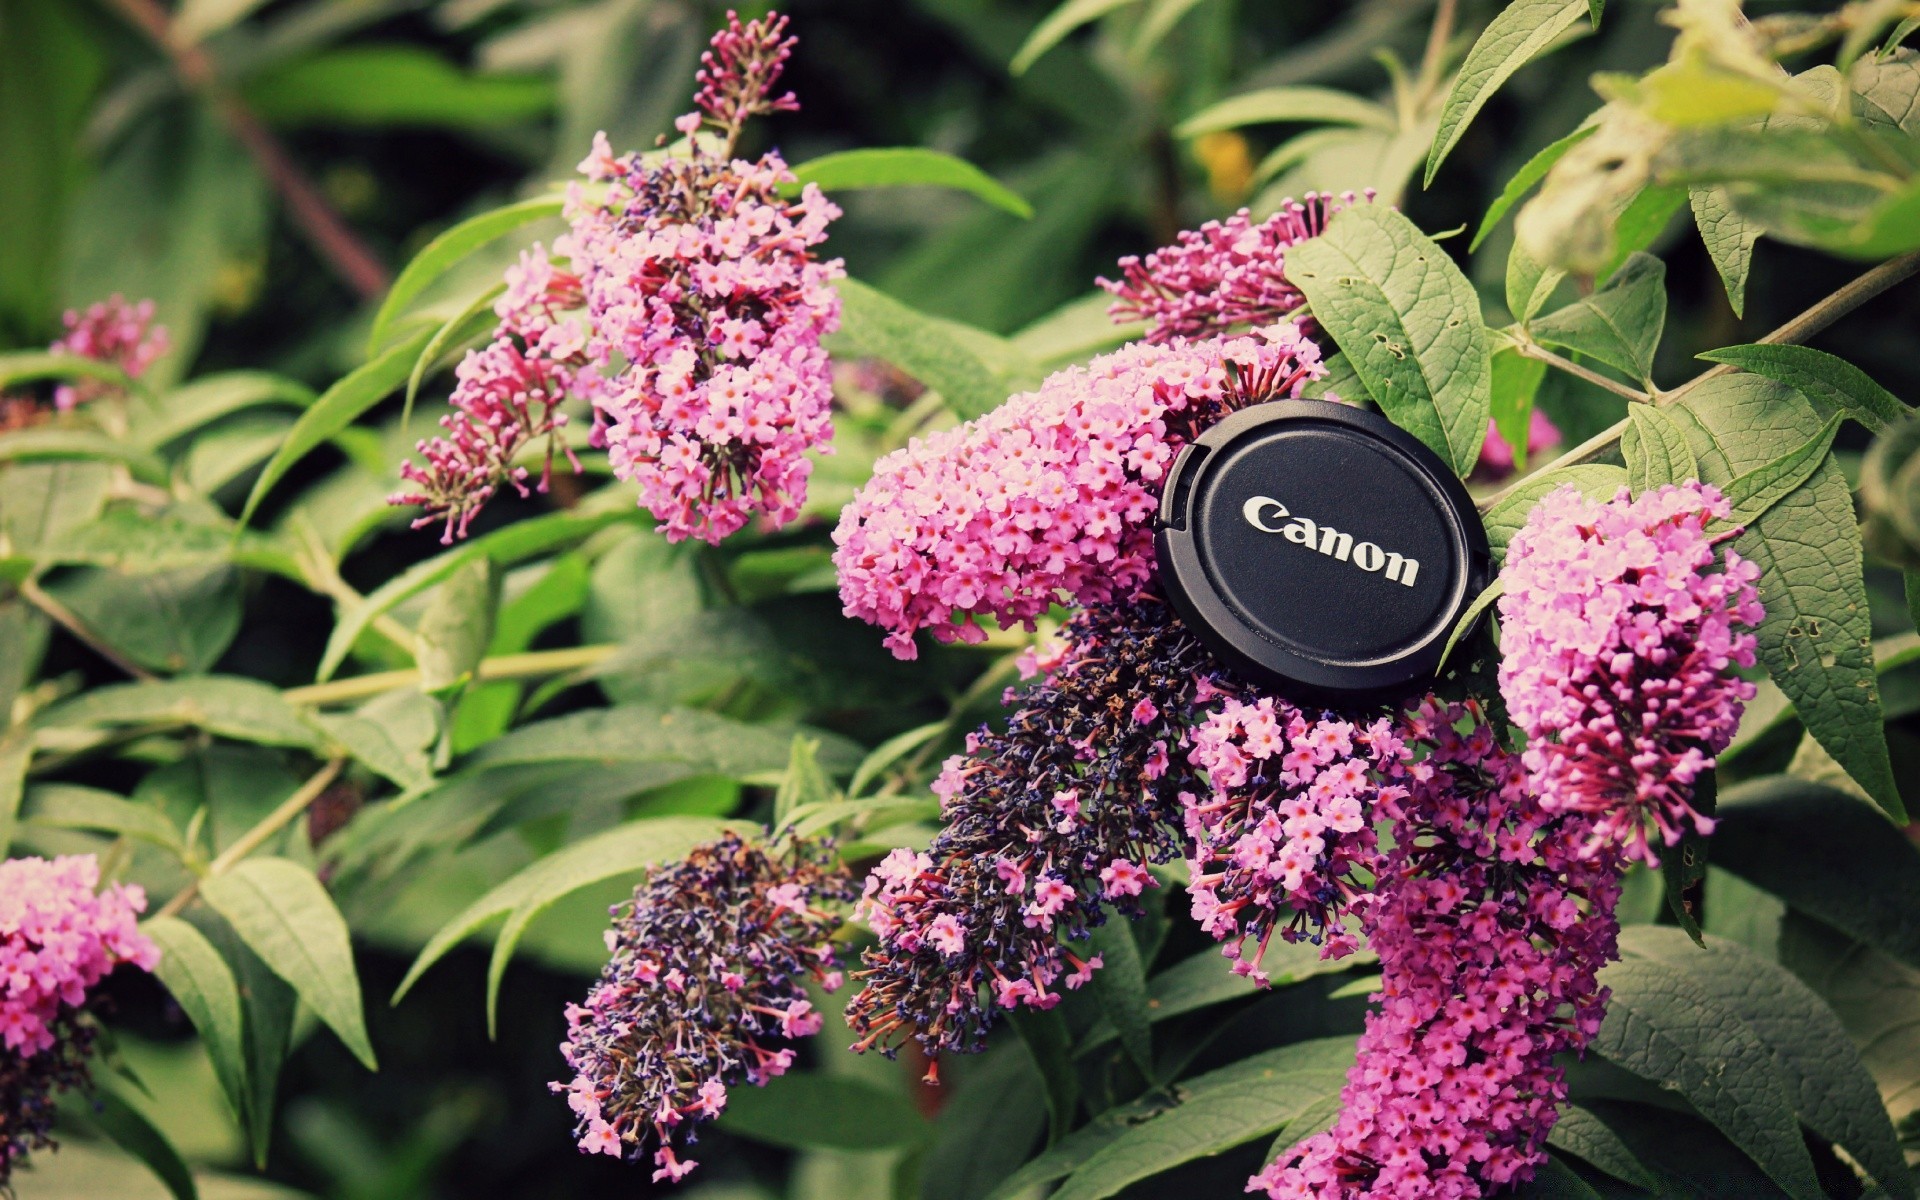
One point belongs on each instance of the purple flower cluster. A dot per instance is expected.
(708, 967)
(1617, 644)
(58, 939)
(706, 305)
(110, 331)
(506, 396)
(1045, 823)
(1287, 827)
(1222, 276)
(1491, 926)
(1048, 498)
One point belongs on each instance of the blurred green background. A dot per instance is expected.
(261, 168)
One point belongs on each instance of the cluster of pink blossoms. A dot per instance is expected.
(1287, 822)
(1618, 642)
(506, 396)
(1048, 498)
(110, 331)
(707, 305)
(58, 940)
(1223, 275)
(1496, 456)
(1491, 926)
(709, 961)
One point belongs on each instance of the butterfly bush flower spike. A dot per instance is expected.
(703, 286)
(114, 332)
(1619, 640)
(704, 986)
(59, 938)
(1048, 498)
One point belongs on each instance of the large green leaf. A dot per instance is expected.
(203, 986)
(807, 1109)
(1664, 1027)
(1314, 105)
(1253, 1098)
(396, 84)
(283, 914)
(907, 166)
(1831, 382)
(1876, 998)
(1514, 38)
(1579, 1132)
(987, 1128)
(211, 397)
(1121, 987)
(135, 1132)
(336, 409)
(70, 806)
(447, 249)
(1620, 324)
(1826, 854)
(1656, 450)
(1830, 1088)
(1729, 238)
(1407, 320)
(1754, 492)
(972, 370)
(225, 705)
(1816, 639)
(178, 620)
(1050, 1044)
(268, 1006)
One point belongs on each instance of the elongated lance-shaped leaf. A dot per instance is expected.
(1580, 1133)
(906, 166)
(1831, 382)
(1620, 324)
(133, 1131)
(211, 397)
(1408, 321)
(1757, 491)
(1071, 15)
(1121, 987)
(225, 705)
(807, 1109)
(950, 358)
(1315, 105)
(203, 986)
(1047, 1040)
(1729, 239)
(1519, 34)
(1530, 173)
(1656, 450)
(1516, 384)
(446, 251)
(283, 914)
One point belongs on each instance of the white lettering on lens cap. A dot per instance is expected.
(1260, 511)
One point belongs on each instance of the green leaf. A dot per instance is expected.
(1048, 1041)
(16, 754)
(1511, 40)
(283, 914)
(1580, 1133)
(505, 547)
(679, 742)
(1666, 1028)
(622, 850)
(1827, 855)
(69, 806)
(1262, 1094)
(804, 783)
(1339, 382)
(224, 705)
(1493, 591)
(179, 620)
(807, 1109)
(133, 1131)
(891, 751)
(1620, 324)
(44, 444)
(1516, 382)
(1202, 981)
(987, 1129)
(1529, 283)
(40, 502)
(1655, 448)
(447, 249)
(1875, 997)
(1409, 322)
(457, 626)
(1121, 987)
(906, 166)
(1829, 1086)
(944, 355)
(1314, 105)
(1729, 239)
(33, 366)
(1596, 481)
(268, 1005)
(336, 409)
(383, 86)
(471, 322)
(211, 397)
(1816, 639)
(1524, 180)
(1683, 867)
(203, 986)
(1062, 21)
(1753, 494)
(1555, 1180)
(1831, 382)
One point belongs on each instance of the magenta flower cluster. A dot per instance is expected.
(58, 939)
(1618, 642)
(506, 397)
(110, 331)
(1491, 929)
(706, 979)
(1048, 498)
(707, 305)
(1282, 836)
(1222, 276)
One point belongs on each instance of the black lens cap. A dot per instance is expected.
(1320, 550)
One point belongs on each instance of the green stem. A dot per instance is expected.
(67, 619)
(1528, 348)
(504, 666)
(257, 836)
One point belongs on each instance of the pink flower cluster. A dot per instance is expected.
(1223, 275)
(1288, 822)
(1618, 643)
(58, 938)
(1046, 499)
(1496, 456)
(707, 306)
(1491, 926)
(110, 331)
(506, 396)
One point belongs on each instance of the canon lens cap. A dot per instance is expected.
(1320, 549)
